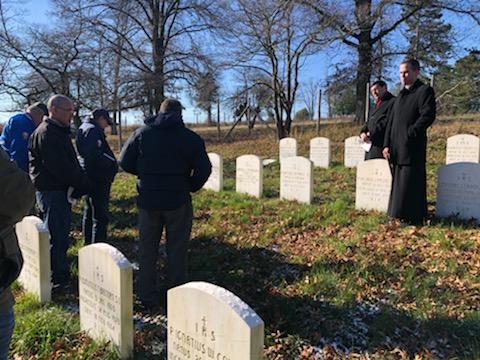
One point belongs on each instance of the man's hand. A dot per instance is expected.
(364, 137)
(386, 153)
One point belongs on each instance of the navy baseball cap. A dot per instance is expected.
(98, 113)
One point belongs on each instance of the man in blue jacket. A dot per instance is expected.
(100, 164)
(15, 134)
(170, 162)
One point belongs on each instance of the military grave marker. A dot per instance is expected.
(34, 241)
(215, 181)
(249, 175)
(296, 179)
(458, 191)
(463, 148)
(206, 321)
(106, 295)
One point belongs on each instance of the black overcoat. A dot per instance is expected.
(376, 126)
(412, 113)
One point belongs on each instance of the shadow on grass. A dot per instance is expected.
(256, 274)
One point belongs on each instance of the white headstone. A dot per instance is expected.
(354, 153)
(106, 295)
(320, 152)
(374, 181)
(249, 178)
(206, 321)
(458, 191)
(215, 181)
(287, 148)
(463, 148)
(296, 179)
(34, 241)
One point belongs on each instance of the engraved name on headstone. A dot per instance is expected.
(374, 181)
(206, 321)
(215, 181)
(296, 179)
(287, 148)
(320, 152)
(463, 148)
(34, 241)
(458, 191)
(353, 152)
(106, 295)
(249, 175)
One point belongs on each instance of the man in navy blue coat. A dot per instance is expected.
(15, 134)
(100, 164)
(170, 162)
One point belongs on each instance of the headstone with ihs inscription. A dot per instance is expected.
(215, 180)
(296, 179)
(106, 296)
(463, 148)
(249, 175)
(206, 321)
(374, 182)
(320, 152)
(287, 148)
(34, 241)
(354, 153)
(458, 191)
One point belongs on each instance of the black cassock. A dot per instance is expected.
(376, 126)
(412, 113)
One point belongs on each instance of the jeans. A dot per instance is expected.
(178, 224)
(57, 215)
(7, 323)
(95, 214)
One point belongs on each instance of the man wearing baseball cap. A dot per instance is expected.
(100, 164)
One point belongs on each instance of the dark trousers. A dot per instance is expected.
(408, 198)
(178, 224)
(57, 215)
(95, 214)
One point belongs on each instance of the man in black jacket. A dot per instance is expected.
(100, 164)
(170, 161)
(17, 196)
(405, 145)
(58, 178)
(374, 129)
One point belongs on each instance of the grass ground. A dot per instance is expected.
(329, 281)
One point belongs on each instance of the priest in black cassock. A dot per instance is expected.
(405, 145)
(374, 129)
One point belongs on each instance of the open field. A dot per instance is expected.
(329, 281)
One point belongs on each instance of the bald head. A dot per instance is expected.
(61, 108)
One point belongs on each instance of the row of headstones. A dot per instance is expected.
(204, 320)
(458, 184)
(460, 148)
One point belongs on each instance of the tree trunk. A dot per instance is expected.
(364, 71)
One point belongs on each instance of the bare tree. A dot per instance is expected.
(160, 40)
(309, 95)
(272, 37)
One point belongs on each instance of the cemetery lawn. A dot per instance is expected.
(328, 280)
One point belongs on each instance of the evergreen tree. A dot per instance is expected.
(429, 37)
